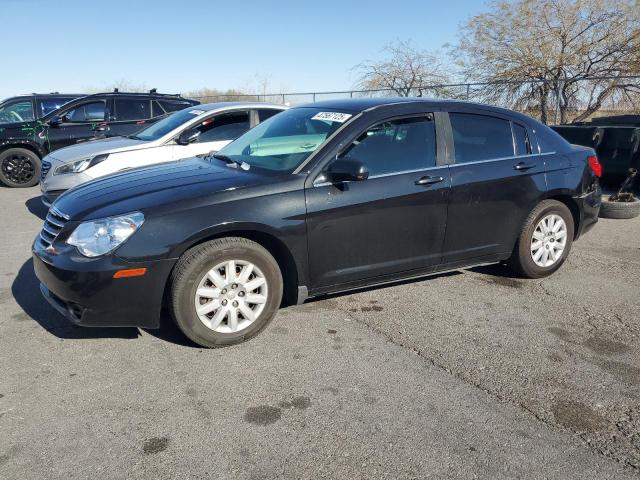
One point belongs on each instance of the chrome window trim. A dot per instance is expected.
(515, 157)
(384, 175)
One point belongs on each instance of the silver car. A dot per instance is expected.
(196, 130)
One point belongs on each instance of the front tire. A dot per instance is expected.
(19, 168)
(225, 291)
(545, 240)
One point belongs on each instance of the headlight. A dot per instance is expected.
(80, 165)
(99, 237)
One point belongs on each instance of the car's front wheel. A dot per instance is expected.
(225, 291)
(19, 168)
(545, 240)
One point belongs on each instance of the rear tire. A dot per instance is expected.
(19, 168)
(545, 240)
(225, 291)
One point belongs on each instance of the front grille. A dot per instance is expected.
(52, 226)
(46, 166)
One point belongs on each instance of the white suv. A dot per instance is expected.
(196, 130)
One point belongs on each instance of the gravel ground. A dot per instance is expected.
(472, 374)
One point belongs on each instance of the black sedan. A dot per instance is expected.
(321, 198)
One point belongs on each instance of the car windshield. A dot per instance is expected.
(284, 141)
(167, 124)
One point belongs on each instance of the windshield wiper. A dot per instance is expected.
(231, 162)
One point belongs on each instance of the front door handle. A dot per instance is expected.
(524, 166)
(429, 180)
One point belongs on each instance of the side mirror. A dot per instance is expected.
(188, 136)
(55, 121)
(347, 170)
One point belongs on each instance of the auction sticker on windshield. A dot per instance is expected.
(332, 116)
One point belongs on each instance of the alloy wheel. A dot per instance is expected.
(231, 296)
(549, 240)
(18, 168)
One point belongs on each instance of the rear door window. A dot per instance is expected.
(128, 109)
(227, 126)
(48, 105)
(156, 109)
(480, 137)
(173, 105)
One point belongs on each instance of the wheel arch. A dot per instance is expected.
(572, 205)
(26, 144)
(262, 236)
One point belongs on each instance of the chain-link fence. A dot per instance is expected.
(561, 101)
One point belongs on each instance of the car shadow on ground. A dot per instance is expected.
(169, 332)
(497, 270)
(26, 291)
(36, 207)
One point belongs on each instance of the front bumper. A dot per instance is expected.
(85, 292)
(52, 186)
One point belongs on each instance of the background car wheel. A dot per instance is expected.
(545, 240)
(19, 168)
(619, 210)
(225, 291)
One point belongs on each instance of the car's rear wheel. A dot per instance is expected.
(545, 240)
(225, 291)
(19, 168)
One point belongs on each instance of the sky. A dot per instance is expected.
(297, 46)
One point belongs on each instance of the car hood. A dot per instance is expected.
(155, 187)
(97, 147)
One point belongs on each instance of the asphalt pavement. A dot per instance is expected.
(470, 374)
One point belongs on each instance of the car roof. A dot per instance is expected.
(358, 105)
(52, 94)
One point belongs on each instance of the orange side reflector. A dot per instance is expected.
(131, 272)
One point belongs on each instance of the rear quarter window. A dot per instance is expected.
(550, 141)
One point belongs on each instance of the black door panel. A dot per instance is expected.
(488, 204)
(390, 223)
(495, 182)
(375, 227)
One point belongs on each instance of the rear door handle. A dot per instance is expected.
(524, 166)
(429, 180)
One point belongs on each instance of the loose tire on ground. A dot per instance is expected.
(619, 210)
(522, 260)
(19, 168)
(192, 287)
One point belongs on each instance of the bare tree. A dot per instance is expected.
(543, 55)
(404, 70)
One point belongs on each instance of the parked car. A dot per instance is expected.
(187, 133)
(26, 108)
(321, 198)
(24, 143)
